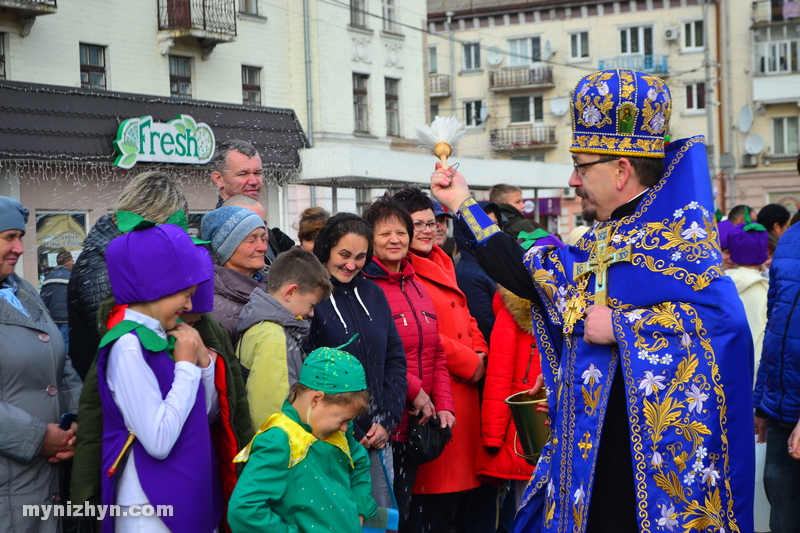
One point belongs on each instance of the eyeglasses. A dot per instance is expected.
(590, 163)
(419, 227)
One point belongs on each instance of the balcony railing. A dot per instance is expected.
(439, 85)
(510, 79)
(654, 64)
(524, 138)
(27, 11)
(201, 16)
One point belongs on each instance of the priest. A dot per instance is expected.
(646, 354)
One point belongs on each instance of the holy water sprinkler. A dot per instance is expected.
(441, 136)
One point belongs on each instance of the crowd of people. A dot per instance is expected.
(252, 384)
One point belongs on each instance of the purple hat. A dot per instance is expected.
(152, 263)
(203, 299)
(748, 247)
(725, 227)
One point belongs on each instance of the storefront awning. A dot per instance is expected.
(70, 124)
(355, 166)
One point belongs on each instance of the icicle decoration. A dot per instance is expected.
(441, 136)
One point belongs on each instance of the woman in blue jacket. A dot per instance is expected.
(358, 306)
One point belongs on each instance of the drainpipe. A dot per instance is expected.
(709, 92)
(452, 62)
(309, 97)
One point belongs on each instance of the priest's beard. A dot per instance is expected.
(589, 214)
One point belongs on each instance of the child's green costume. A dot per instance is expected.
(295, 482)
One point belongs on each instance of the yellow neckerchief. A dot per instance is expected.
(300, 440)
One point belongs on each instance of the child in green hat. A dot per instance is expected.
(305, 471)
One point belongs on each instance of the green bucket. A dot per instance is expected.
(532, 432)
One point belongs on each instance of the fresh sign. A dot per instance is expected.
(178, 141)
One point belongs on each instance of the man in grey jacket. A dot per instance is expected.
(37, 386)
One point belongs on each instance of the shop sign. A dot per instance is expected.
(181, 140)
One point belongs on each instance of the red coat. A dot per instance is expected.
(513, 367)
(415, 317)
(454, 470)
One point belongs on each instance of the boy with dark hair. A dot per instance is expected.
(274, 326)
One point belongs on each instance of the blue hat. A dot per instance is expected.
(149, 264)
(12, 214)
(620, 112)
(226, 228)
(439, 210)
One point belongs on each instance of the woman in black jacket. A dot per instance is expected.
(358, 306)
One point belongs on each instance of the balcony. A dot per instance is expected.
(523, 138)
(521, 79)
(209, 21)
(654, 64)
(439, 85)
(774, 11)
(27, 11)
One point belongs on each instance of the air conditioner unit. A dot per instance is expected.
(671, 34)
(749, 160)
(568, 192)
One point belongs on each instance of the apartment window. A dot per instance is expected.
(472, 112)
(693, 37)
(636, 40)
(93, 67)
(248, 6)
(524, 51)
(434, 111)
(579, 45)
(392, 107)
(472, 55)
(358, 13)
(785, 136)
(2, 56)
(696, 96)
(433, 62)
(390, 16)
(360, 103)
(251, 85)
(180, 77)
(776, 49)
(526, 109)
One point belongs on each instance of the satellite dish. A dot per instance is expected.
(753, 144)
(548, 51)
(559, 106)
(745, 118)
(484, 113)
(494, 56)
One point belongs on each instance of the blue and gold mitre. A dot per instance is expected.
(620, 112)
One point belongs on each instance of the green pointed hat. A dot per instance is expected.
(332, 370)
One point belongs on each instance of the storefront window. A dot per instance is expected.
(58, 232)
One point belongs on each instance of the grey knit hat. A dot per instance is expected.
(12, 214)
(226, 228)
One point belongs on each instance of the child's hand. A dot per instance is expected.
(185, 344)
(361, 519)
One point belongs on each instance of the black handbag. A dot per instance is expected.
(426, 443)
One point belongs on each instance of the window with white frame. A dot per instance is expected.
(696, 96)
(524, 51)
(392, 107)
(390, 16)
(360, 103)
(2, 56)
(472, 112)
(636, 40)
(776, 49)
(579, 45)
(693, 38)
(248, 6)
(251, 85)
(93, 66)
(785, 139)
(358, 13)
(526, 109)
(472, 56)
(433, 60)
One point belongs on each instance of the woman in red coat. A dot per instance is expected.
(414, 314)
(440, 482)
(513, 367)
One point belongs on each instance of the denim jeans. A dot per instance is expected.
(782, 480)
(64, 329)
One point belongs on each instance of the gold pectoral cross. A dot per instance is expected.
(603, 256)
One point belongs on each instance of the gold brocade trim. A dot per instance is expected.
(613, 144)
(481, 233)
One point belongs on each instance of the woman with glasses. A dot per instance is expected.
(441, 483)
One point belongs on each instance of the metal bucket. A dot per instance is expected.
(531, 429)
